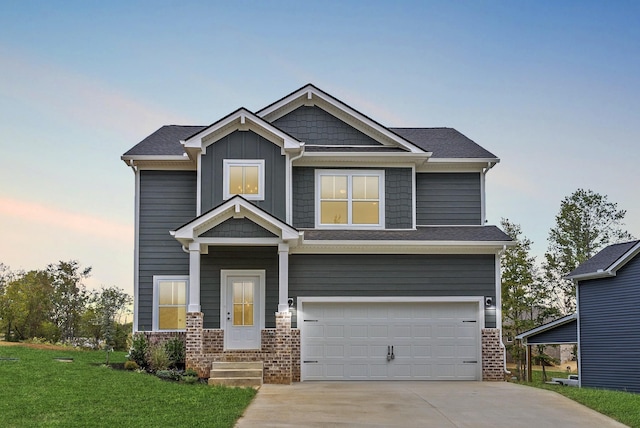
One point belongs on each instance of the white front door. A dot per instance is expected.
(242, 310)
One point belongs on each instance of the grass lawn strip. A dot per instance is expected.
(619, 405)
(37, 390)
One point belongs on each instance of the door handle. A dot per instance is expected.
(393, 356)
(388, 353)
(228, 316)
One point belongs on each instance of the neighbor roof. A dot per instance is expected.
(605, 261)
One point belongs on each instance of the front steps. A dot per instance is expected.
(245, 374)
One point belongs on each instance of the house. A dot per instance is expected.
(608, 313)
(311, 238)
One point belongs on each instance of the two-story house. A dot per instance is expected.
(312, 238)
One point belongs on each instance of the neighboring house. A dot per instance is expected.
(310, 237)
(606, 325)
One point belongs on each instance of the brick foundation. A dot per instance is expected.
(492, 355)
(279, 351)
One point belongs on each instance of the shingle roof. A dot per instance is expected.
(434, 233)
(443, 142)
(164, 141)
(338, 149)
(604, 259)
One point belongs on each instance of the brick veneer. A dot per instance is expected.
(279, 351)
(492, 355)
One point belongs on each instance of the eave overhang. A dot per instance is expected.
(400, 247)
(611, 270)
(159, 162)
(546, 327)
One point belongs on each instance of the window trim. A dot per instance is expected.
(156, 298)
(350, 173)
(227, 163)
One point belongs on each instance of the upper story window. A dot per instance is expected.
(170, 302)
(349, 198)
(244, 177)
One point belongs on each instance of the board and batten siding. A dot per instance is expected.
(239, 258)
(167, 201)
(609, 311)
(398, 197)
(245, 145)
(448, 199)
(324, 275)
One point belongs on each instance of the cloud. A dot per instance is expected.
(32, 213)
(50, 89)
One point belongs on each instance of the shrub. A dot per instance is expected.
(138, 350)
(158, 358)
(131, 365)
(190, 372)
(169, 374)
(190, 379)
(175, 349)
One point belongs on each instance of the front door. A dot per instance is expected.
(243, 312)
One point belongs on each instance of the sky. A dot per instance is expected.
(550, 87)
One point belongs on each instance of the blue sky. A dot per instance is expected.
(550, 87)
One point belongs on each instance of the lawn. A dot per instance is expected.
(621, 406)
(38, 390)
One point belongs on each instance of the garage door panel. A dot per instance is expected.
(350, 341)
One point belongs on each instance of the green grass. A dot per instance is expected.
(621, 406)
(38, 391)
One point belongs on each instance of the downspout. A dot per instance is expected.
(499, 309)
(483, 214)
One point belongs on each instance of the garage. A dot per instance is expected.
(390, 340)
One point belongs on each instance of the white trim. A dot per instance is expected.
(350, 173)
(479, 300)
(136, 252)
(579, 344)
(483, 199)
(199, 186)
(227, 163)
(224, 276)
(155, 304)
(414, 195)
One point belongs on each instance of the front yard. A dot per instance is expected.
(621, 406)
(40, 387)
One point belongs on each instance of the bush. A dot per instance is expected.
(176, 351)
(138, 350)
(190, 372)
(131, 365)
(158, 358)
(190, 379)
(169, 374)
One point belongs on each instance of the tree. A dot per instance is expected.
(526, 302)
(69, 297)
(104, 313)
(586, 223)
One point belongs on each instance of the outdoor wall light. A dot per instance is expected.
(290, 302)
(488, 301)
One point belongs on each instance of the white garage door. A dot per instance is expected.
(390, 341)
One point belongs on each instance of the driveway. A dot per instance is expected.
(416, 404)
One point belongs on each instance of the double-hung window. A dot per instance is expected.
(350, 198)
(243, 177)
(170, 302)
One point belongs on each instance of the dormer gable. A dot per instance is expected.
(311, 96)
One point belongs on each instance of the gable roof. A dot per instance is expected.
(606, 262)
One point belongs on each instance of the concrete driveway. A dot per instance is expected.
(416, 404)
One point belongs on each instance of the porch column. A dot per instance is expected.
(194, 277)
(283, 274)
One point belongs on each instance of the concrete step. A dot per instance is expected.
(239, 382)
(235, 373)
(237, 365)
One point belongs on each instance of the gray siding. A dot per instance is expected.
(238, 228)
(565, 333)
(398, 194)
(245, 145)
(315, 126)
(237, 258)
(167, 201)
(448, 199)
(610, 330)
(323, 275)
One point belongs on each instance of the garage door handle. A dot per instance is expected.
(309, 361)
(470, 362)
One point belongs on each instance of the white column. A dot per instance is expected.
(283, 274)
(194, 278)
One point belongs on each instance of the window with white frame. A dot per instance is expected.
(243, 177)
(170, 302)
(350, 198)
